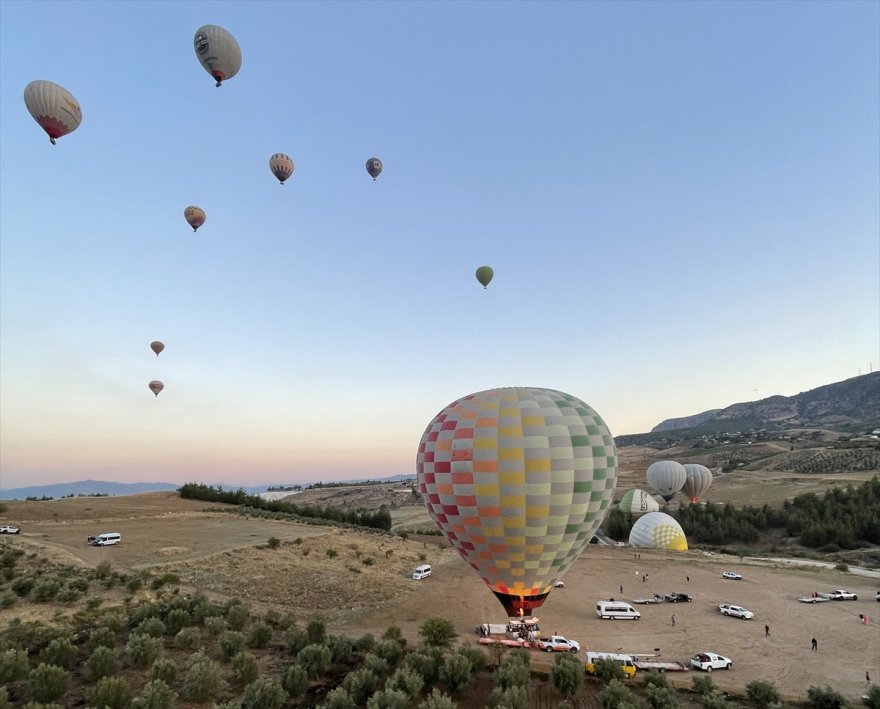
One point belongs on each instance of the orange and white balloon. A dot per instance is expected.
(53, 107)
(281, 166)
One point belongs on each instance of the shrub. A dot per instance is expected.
(762, 694)
(360, 684)
(112, 620)
(78, 584)
(59, 652)
(244, 668)
(616, 696)
(425, 662)
(317, 630)
(215, 625)
(389, 650)
(110, 693)
(567, 675)
(871, 698)
(23, 586)
(237, 616)
(46, 683)
(176, 620)
(315, 660)
(165, 580)
(295, 639)
(476, 657)
(8, 598)
(607, 670)
(510, 698)
(101, 663)
(142, 650)
(231, 643)
(375, 664)
(295, 681)
(389, 699)
(14, 665)
(661, 697)
(153, 627)
(338, 699)
(93, 602)
(407, 681)
(456, 673)
(365, 643)
(274, 542)
(156, 694)
(437, 700)
(826, 698)
(263, 693)
(341, 649)
(188, 638)
(715, 700)
(655, 679)
(135, 583)
(165, 670)
(102, 636)
(514, 672)
(103, 570)
(203, 680)
(260, 635)
(332, 553)
(438, 632)
(703, 685)
(368, 561)
(45, 590)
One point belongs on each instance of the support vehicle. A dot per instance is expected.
(708, 661)
(557, 643)
(625, 661)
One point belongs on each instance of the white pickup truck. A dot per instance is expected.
(557, 643)
(839, 594)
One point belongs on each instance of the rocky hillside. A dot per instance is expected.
(833, 406)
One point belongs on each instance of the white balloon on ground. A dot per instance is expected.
(699, 480)
(638, 502)
(667, 477)
(657, 530)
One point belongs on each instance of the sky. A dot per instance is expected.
(679, 201)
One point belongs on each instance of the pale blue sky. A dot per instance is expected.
(680, 202)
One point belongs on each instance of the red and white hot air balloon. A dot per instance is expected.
(53, 107)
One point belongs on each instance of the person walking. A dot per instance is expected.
(688, 578)
(815, 645)
(867, 678)
(766, 631)
(673, 621)
(621, 589)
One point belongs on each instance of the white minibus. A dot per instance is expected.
(616, 610)
(106, 539)
(422, 572)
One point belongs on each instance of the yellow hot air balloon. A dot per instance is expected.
(53, 107)
(485, 274)
(218, 51)
(281, 166)
(657, 530)
(195, 216)
(157, 346)
(156, 386)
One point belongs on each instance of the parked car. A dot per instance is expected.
(708, 661)
(840, 595)
(557, 643)
(559, 584)
(9, 529)
(678, 597)
(735, 611)
(732, 576)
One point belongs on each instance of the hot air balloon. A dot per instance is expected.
(666, 477)
(518, 479)
(698, 482)
(281, 166)
(195, 216)
(156, 386)
(657, 530)
(374, 167)
(218, 52)
(157, 347)
(53, 107)
(638, 502)
(485, 275)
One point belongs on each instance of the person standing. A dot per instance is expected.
(815, 645)
(621, 589)
(673, 621)
(766, 631)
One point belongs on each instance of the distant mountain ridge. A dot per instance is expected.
(852, 401)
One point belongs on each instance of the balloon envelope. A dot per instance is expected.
(53, 107)
(157, 346)
(638, 502)
(657, 530)
(485, 274)
(156, 386)
(195, 217)
(666, 477)
(218, 51)
(281, 166)
(699, 480)
(518, 480)
(374, 167)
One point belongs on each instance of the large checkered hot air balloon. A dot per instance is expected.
(657, 530)
(518, 479)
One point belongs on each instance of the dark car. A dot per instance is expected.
(678, 597)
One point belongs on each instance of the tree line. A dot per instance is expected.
(360, 517)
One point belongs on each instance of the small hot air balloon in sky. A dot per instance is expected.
(218, 52)
(657, 530)
(666, 477)
(156, 386)
(518, 479)
(157, 346)
(638, 502)
(699, 480)
(281, 166)
(53, 107)
(485, 275)
(374, 167)
(195, 216)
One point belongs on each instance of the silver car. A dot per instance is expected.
(735, 611)
(731, 576)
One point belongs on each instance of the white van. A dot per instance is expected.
(616, 610)
(106, 539)
(421, 572)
